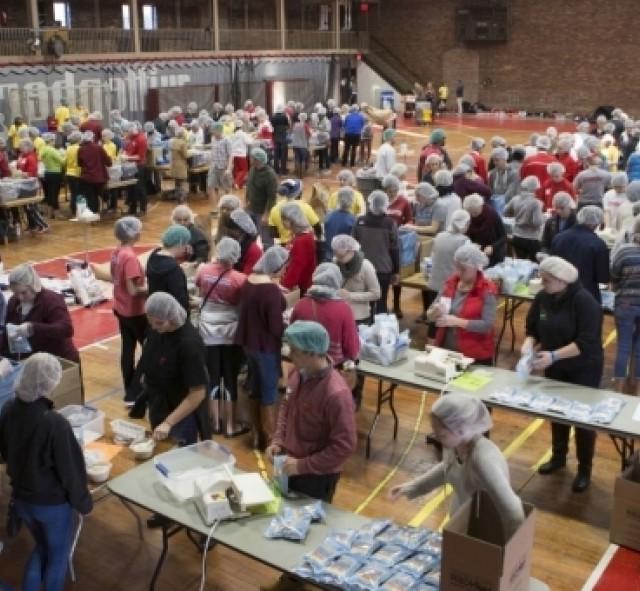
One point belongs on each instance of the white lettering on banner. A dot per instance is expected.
(37, 100)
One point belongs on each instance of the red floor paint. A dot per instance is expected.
(622, 572)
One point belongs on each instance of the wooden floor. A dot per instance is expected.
(571, 530)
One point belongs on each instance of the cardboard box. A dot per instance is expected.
(69, 390)
(476, 557)
(625, 520)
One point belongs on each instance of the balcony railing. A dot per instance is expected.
(16, 41)
(176, 40)
(250, 39)
(310, 40)
(356, 40)
(98, 41)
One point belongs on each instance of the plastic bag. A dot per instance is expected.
(503, 396)
(373, 528)
(344, 538)
(314, 511)
(433, 578)
(391, 554)
(580, 412)
(282, 480)
(18, 345)
(418, 564)
(337, 571)
(369, 577)
(560, 406)
(399, 582)
(542, 402)
(433, 545)
(363, 548)
(85, 285)
(323, 554)
(522, 397)
(525, 365)
(389, 534)
(290, 525)
(411, 537)
(604, 412)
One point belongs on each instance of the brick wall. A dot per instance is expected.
(569, 55)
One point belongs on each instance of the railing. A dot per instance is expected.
(176, 40)
(97, 41)
(310, 40)
(356, 40)
(16, 41)
(391, 61)
(250, 39)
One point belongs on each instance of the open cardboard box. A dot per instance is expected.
(475, 554)
(69, 390)
(625, 520)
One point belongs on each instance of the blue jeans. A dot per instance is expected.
(52, 529)
(628, 328)
(264, 373)
(499, 203)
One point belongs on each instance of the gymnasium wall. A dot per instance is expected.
(568, 55)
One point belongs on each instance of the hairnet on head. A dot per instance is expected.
(391, 182)
(477, 143)
(552, 132)
(378, 201)
(25, 275)
(530, 184)
(443, 178)
(149, 126)
(565, 144)
(272, 260)
(590, 215)
(328, 275)
(107, 134)
(388, 134)
(34, 131)
(498, 141)
(433, 159)
(459, 221)
(176, 235)
(633, 191)
(346, 176)
(229, 202)
(345, 243)
(182, 211)
(293, 213)
(468, 160)
(563, 199)
(307, 336)
(163, 306)
(26, 144)
(560, 269)
(543, 143)
(228, 251)
(426, 191)
(473, 202)
(259, 154)
(399, 170)
(127, 228)
(461, 168)
(499, 153)
(40, 375)
(49, 137)
(619, 179)
(471, 255)
(555, 168)
(438, 136)
(243, 221)
(345, 198)
(463, 415)
(291, 188)
(88, 137)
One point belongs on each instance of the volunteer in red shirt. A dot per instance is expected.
(4, 161)
(240, 226)
(302, 256)
(536, 164)
(571, 165)
(480, 164)
(316, 423)
(27, 162)
(436, 144)
(93, 124)
(555, 184)
(135, 150)
(129, 291)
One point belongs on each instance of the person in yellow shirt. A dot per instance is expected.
(610, 151)
(38, 142)
(80, 112)
(291, 190)
(347, 179)
(228, 125)
(12, 134)
(108, 145)
(73, 168)
(62, 114)
(443, 96)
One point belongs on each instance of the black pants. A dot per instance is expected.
(317, 486)
(92, 193)
(323, 159)
(223, 363)
(380, 307)
(351, 143)
(587, 375)
(281, 154)
(73, 182)
(51, 185)
(137, 194)
(428, 297)
(335, 150)
(132, 332)
(526, 248)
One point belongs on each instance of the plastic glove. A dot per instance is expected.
(24, 330)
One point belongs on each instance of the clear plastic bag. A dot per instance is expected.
(373, 528)
(419, 563)
(433, 545)
(503, 396)
(580, 412)
(315, 511)
(364, 547)
(399, 582)
(290, 525)
(391, 554)
(369, 577)
(389, 534)
(433, 578)
(542, 402)
(323, 554)
(411, 537)
(344, 537)
(522, 397)
(604, 412)
(560, 406)
(337, 571)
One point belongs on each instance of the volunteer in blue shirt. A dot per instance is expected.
(353, 124)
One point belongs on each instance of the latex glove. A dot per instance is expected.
(271, 451)
(290, 467)
(24, 330)
(344, 294)
(162, 431)
(448, 321)
(542, 360)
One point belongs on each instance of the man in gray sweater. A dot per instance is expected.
(591, 184)
(526, 208)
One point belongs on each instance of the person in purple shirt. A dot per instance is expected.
(464, 184)
(335, 134)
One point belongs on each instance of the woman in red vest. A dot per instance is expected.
(465, 310)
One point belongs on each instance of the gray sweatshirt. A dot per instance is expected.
(444, 247)
(504, 182)
(526, 208)
(590, 185)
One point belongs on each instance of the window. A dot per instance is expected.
(126, 17)
(61, 15)
(149, 17)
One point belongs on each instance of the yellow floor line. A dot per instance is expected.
(376, 491)
(547, 455)
(434, 503)
(610, 338)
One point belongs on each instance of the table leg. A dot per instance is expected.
(392, 390)
(625, 448)
(384, 395)
(135, 514)
(167, 532)
(505, 318)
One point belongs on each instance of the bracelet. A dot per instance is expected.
(554, 356)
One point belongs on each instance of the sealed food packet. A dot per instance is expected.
(314, 510)
(391, 554)
(373, 528)
(290, 525)
(304, 570)
(337, 571)
(604, 412)
(422, 586)
(560, 406)
(323, 554)
(419, 564)
(542, 402)
(344, 537)
(433, 578)
(369, 577)
(501, 396)
(580, 412)
(522, 397)
(388, 535)
(411, 537)
(364, 547)
(399, 582)
(433, 545)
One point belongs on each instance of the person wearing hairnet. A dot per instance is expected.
(610, 152)
(554, 184)
(585, 250)
(346, 178)
(174, 373)
(470, 462)
(566, 158)
(93, 162)
(564, 336)
(536, 163)
(302, 252)
(526, 209)
(630, 207)
(259, 332)
(240, 144)
(399, 208)
(562, 218)
(354, 123)
(300, 134)
(433, 163)
(39, 317)
(486, 228)
(504, 181)
(316, 423)
(281, 126)
(479, 161)
(219, 285)
(27, 167)
(386, 156)
(240, 227)
(591, 184)
(340, 220)
(465, 308)
(377, 235)
(53, 160)
(226, 205)
(46, 468)
(260, 194)
(290, 191)
(179, 164)
(447, 203)
(129, 293)
(198, 249)
(135, 150)
(465, 181)
(437, 141)
(613, 199)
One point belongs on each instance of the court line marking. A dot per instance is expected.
(514, 446)
(610, 338)
(261, 465)
(376, 491)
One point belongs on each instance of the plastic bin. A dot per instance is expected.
(87, 422)
(9, 191)
(7, 385)
(28, 187)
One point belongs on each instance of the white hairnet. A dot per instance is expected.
(565, 144)
(499, 153)
(75, 137)
(391, 182)
(294, 214)
(477, 143)
(243, 220)
(229, 202)
(433, 159)
(164, 306)
(563, 199)
(127, 228)
(459, 221)
(228, 251)
(590, 215)
(87, 137)
(426, 191)
(148, 126)
(40, 375)
(560, 269)
(530, 184)
(463, 415)
(633, 191)
(182, 211)
(462, 168)
(473, 202)
(345, 198)
(471, 255)
(25, 275)
(619, 179)
(344, 242)
(346, 176)
(498, 141)
(399, 170)
(555, 168)
(443, 178)
(272, 260)
(378, 201)
(328, 275)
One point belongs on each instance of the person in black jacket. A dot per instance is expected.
(584, 250)
(163, 271)
(198, 248)
(563, 218)
(281, 125)
(47, 471)
(564, 332)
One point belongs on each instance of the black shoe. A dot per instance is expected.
(582, 480)
(139, 409)
(398, 313)
(553, 465)
(157, 521)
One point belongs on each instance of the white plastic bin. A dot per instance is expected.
(87, 422)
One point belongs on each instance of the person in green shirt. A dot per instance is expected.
(53, 160)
